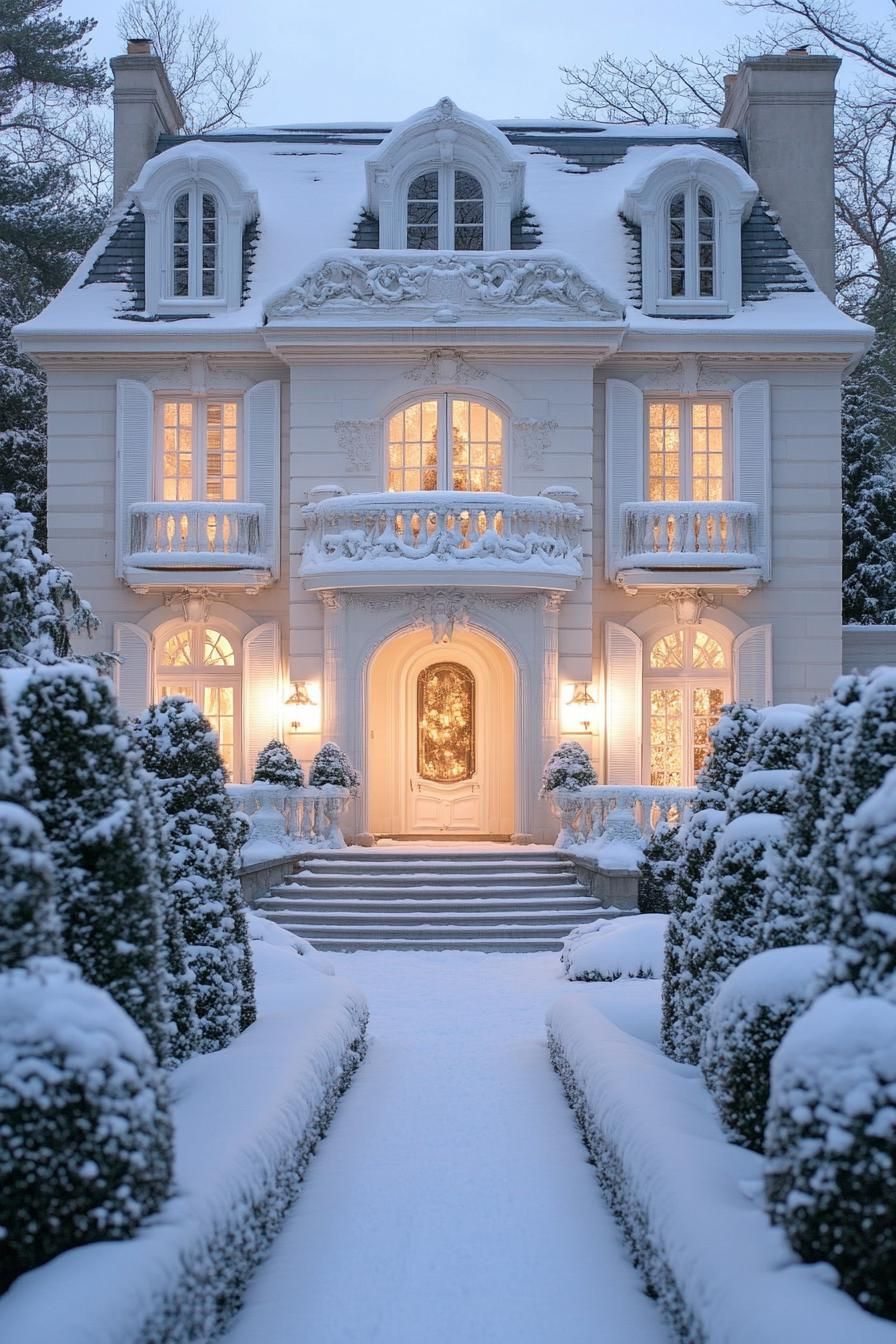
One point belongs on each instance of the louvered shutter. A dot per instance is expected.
(262, 692)
(753, 666)
(133, 459)
(752, 460)
(262, 449)
(625, 460)
(623, 650)
(133, 674)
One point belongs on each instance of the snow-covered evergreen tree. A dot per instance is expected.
(40, 609)
(180, 748)
(277, 765)
(85, 1134)
(88, 797)
(568, 767)
(659, 870)
(864, 950)
(332, 766)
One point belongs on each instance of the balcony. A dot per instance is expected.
(715, 544)
(195, 541)
(417, 539)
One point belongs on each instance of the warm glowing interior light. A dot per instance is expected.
(578, 707)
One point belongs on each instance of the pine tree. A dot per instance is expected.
(277, 765)
(40, 610)
(332, 766)
(88, 797)
(180, 748)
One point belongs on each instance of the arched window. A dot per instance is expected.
(195, 244)
(691, 245)
(203, 664)
(445, 209)
(445, 443)
(687, 680)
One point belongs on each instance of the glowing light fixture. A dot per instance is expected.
(578, 708)
(304, 704)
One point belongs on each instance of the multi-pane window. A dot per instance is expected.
(446, 209)
(199, 449)
(445, 443)
(201, 663)
(691, 262)
(195, 245)
(686, 449)
(686, 683)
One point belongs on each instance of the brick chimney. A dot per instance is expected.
(144, 107)
(783, 108)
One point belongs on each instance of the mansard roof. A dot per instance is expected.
(312, 187)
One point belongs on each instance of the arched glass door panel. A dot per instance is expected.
(446, 717)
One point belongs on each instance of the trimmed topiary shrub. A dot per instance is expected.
(569, 767)
(277, 765)
(180, 747)
(830, 1174)
(332, 766)
(746, 1022)
(85, 1134)
(659, 870)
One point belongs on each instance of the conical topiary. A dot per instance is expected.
(277, 765)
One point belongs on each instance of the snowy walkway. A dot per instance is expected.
(451, 1201)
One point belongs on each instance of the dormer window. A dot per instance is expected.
(692, 245)
(195, 244)
(446, 209)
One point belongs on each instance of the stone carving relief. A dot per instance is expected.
(688, 375)
(358, 440)
(444, 366)
(532, 438)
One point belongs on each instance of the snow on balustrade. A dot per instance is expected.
(689, 533)
(197, 533)
(288, 819)
(628, 812)
(443, 528)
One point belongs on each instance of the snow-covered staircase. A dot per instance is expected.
(499, 900)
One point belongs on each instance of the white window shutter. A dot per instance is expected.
(133, 674)
(752, 460)
(262, 692)
(624, 692)
(262, 452)
(133, 459)
(753, 666)
(625, 460)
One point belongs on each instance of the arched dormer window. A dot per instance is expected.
(445, 180)
(690, 207)
(196, 207)
(445, 209)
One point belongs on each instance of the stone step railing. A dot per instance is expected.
(197, 533)
(630, 812)
(690, 534)
(290, 818)
(443, 526)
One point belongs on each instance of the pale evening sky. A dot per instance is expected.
(386, 59)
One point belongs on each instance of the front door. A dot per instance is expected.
(444, 751)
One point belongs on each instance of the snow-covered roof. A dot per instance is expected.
(310, 183)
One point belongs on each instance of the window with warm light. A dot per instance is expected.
(445, 443)
(202, 663)
(687, 456)
(445, 209)
(686, 682)
(198, 448)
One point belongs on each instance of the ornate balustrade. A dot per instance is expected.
(690, 534)
(604, 812)
(409, 533)
(291, 818)
(197, 534)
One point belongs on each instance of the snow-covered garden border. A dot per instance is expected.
(247, 1120)
(682, 1194)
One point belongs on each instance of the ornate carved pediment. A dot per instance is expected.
(443, 287)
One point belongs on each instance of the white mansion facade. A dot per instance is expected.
(448, 439)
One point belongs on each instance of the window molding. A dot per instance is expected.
(444, 137)
(646, 204)
(162, 181)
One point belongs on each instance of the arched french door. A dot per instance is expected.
(687, 680)
(203, 663)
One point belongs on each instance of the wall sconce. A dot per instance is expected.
(579, 708)
(304, 706)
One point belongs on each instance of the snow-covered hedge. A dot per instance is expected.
(85, 1135)
(830, 1175)
(246, 1120)
(277, 765)
(609, 949)
(569, 767)
(706, 1248)
(747, 1021)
